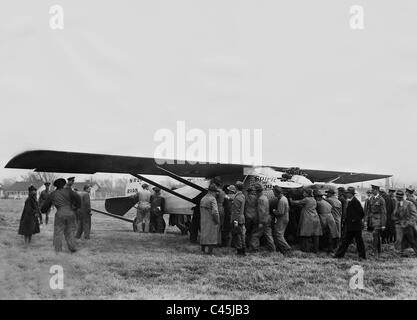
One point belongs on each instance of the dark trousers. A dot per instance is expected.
(249, 226)
(84, 226)
(376, 240)
(409, 238)
(64, 225)
(238, 237)
(347, 240)
(304, 243)
(195, 226)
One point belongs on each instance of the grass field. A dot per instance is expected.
(119, 264)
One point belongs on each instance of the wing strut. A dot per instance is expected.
(164, 188)
(181, 179)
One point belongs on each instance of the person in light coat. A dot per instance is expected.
(309, 225)
(210, 220)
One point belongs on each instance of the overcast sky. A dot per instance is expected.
(326, 96)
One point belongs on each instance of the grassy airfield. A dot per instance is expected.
(119, 264)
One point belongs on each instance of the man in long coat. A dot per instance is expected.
(309, 225)
(405, 217)
(354, 217)
(29, 223)
(328, 225)
(336, 211)
(210, 220)
(238, 219)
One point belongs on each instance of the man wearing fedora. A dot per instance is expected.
(353, 225)
(377, 218)
(405, 217)
(336, 212)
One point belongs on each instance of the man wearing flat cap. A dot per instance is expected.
(354, 217)
(42, 198)
(377, 218)
(262, 222)
(405, 218)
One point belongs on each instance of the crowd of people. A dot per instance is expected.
(311, 220)
(72, 218)
(230, 216)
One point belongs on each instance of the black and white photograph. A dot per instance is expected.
(215, 152)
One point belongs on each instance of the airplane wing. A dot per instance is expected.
(89, 163)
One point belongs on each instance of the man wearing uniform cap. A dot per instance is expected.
(354, 217)
(391, 224)
(70, 183)
(238, 218)
(405, 218)
(262, 222)
(376, 218)
(84, 214)
(42, 198)
(386, 235)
